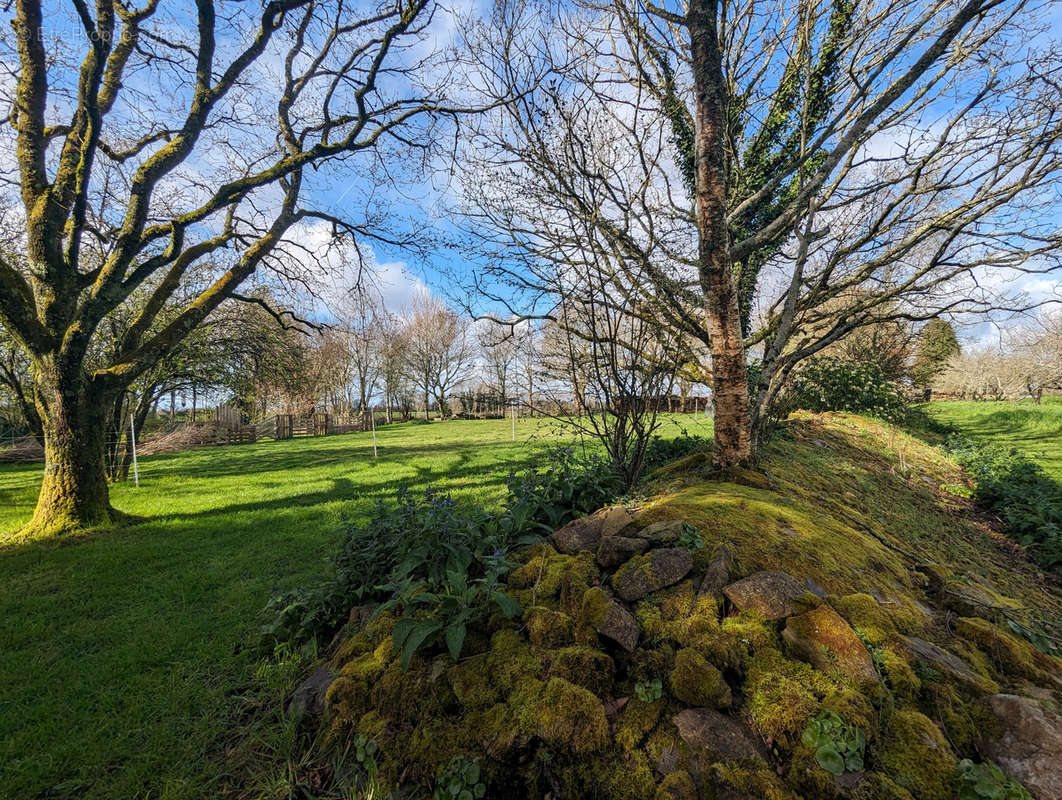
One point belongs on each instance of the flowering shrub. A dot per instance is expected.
(831, 384)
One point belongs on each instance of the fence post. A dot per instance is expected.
(372, 419)
(132, 439)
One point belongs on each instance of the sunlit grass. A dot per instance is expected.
(1034, 429)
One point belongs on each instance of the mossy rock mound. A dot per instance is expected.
(677, 692)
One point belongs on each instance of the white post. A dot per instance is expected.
(372, 419)
(132, 438)
(512, 414)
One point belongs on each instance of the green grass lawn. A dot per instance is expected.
(122, 658)
(1036, 430)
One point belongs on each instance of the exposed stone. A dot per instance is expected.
(823, 639)
(1030, 745)
(578, 535)
(713, 737)
(309, 698)
(610, 619)
(647, 573)
(614, 550)
(614, 521)
(942, 660)
(666, 531)
(696, 682)
(719, 570)
(815, 588)
(773, 594)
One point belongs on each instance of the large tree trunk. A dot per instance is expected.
(733, 441)
(74, 491)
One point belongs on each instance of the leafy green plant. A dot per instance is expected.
(1019, 491)
(416, 553)
(365, 755)
(838, 746)
(459, 781)
(987, 782)
(833, 384)
(690, 538)
(649, 691)
(570, 486)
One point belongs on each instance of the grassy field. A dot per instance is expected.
(1036, 430)
(122, 658)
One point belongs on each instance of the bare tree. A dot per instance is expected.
(439, 350)
(500, 351)
(768, 177)
(161, 144)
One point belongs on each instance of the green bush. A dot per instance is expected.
(831, 384)
(662, 451)
(569, 487)
(1019, 491)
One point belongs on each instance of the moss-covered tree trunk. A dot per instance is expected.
(74, 419)
(733, 422)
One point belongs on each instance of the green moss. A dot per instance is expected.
(510, 661)
(595, 603)
(696, 682)
(898, 674)
(864, 612)
(635, 721)
(677, 786)
(369, 666)
(758, 782)
(579, 574)
(782, 694)
(548, 628)
(472, 684)
(876, 786)
(569, 718)
(916, 756)
(1008, 655)
(583, 666)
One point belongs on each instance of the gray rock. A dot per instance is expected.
(620, 626)
(719, 570)
(773, 594)
(1030, 746)
(309, 698)
(578, 535)
(943, 661)
(666, 531)
(823, 639)
(615, 521)
(815, 588)
(713, 737)
(614, 550)
(647, 573)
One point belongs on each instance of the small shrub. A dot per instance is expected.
(662, 451)
(690, 538)
(569, 487)
(987, 782)
(831, 384)
(838, 746)
(1019, 491)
